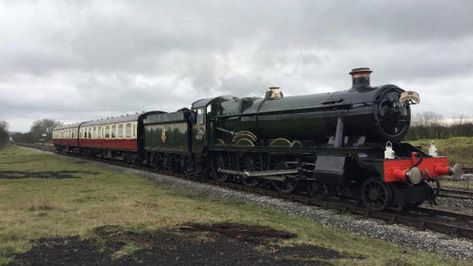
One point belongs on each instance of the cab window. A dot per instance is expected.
(200, 116)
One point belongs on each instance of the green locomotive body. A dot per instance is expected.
(167, 132)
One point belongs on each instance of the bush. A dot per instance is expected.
(3, 133)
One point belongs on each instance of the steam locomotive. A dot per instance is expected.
(344, 144)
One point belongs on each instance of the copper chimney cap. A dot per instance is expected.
(361, 71)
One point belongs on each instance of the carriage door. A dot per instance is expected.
(198, 130)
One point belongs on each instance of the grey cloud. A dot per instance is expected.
(78, 60)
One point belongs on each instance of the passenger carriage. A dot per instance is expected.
(115, 137)
(66, 138)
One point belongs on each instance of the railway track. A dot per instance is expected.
(456, 194)
(446, 222)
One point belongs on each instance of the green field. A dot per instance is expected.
(44, 195)
(458, 149)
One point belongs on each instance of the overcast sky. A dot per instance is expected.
(82, 60)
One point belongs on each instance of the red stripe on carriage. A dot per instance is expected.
(110, 144)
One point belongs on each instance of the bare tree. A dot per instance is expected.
(43, 126)
(431, 125)
(427, 119)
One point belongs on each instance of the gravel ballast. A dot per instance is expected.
(457, 205)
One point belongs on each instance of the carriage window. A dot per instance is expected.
(128, 130)
(120, 131)
(114, 132)
(107, 132)
(200, 116)
(134, 130)
(90, 133)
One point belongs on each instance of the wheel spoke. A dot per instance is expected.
(375, 194)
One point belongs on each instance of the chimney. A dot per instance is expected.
(361, 77)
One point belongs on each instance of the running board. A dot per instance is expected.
(277, 175)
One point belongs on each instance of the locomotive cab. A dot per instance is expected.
(204, 111)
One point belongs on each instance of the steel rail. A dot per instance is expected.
(455, 193)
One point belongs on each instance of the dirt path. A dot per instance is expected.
(201, 244)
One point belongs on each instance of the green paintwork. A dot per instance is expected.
(167, 132)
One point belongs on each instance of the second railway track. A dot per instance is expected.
(456, 194)
(447, 222)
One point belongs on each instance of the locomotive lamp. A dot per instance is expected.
(433, 150)
(389, 153)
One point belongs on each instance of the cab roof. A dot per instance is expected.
(204, 102)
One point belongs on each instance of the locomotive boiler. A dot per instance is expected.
(362, 114)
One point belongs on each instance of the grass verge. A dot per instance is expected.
(458, 149)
